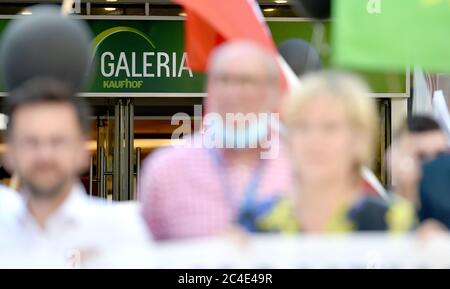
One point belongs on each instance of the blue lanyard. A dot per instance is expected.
(251, 190)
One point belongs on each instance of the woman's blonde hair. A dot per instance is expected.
(346, 89)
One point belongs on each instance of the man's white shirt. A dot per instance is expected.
(9, 202)
(83, 232)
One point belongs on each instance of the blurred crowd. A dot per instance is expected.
(320, 136)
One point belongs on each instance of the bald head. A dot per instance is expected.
(241, 50)
(243, 77)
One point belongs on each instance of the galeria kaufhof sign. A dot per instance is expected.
(147, 57)
(141, 56)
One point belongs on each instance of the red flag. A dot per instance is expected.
(200, 41)
(210, 22)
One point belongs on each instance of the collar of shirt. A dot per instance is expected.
(69, 214)
(82, 230)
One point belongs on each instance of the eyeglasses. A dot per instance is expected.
(242, 80)
(56, 143)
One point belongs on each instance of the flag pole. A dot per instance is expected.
(370, 177)
(292, 80)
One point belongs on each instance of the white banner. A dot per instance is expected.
(357, 251)
(309, 251)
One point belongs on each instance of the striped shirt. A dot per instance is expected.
(184, 195)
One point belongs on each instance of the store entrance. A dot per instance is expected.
(127, 130)
(124, 132)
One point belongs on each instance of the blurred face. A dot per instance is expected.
(322, 141)
(242, 83)
(46, 148)
(428, 144)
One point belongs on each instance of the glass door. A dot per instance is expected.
(112, 172)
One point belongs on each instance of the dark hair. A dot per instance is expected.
(47, 90)
(421, 123)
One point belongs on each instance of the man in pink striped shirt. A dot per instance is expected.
(228, 173)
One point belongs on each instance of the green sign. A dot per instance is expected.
(147, 57)
(141, 57)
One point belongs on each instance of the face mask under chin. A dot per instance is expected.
(249, 136)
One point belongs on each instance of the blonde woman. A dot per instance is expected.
(331, 126)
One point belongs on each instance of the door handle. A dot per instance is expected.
(138, 173)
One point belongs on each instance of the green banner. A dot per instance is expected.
(390, 35)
